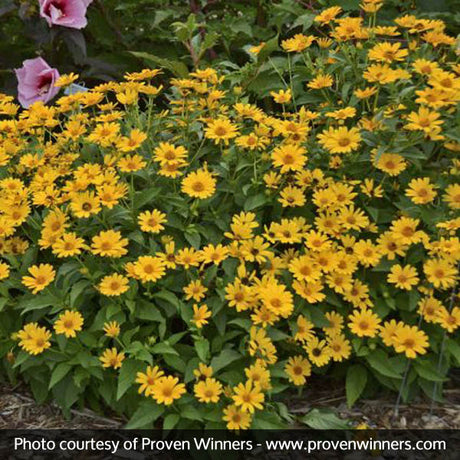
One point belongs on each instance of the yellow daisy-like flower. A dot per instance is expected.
(4, 270)
(201, 315)
(166, 390)
(113, 285)
(403, 277)
(69, 323)
(298, 369)
(441, 273)
(411, 341)
(199, 184)
(236, 418)
(149, 268)
(109, 244)
(289, 157)
(340, 140)
(152, 221)
(221, 130)
(68, 245)
(321, 81)
(112, 329)
(248, 396)
(452, 196)
(148, 379)
(112, 358)
(387, 52)
(208, 391)
(34, 339)
(41, 276)
(364, 323)
(421, 191)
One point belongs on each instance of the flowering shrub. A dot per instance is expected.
(185, 257)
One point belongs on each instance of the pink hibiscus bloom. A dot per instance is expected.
(36, 82)
(66, 13)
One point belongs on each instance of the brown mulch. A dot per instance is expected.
(18, 410)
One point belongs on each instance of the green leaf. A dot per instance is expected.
(319, 419)
(225, 358)
(378, 360)
(428, 372)
(255, 201)
(38, 302)
(168, 296)
(145, 197)
(170, 421)
(202, 349)
(59, 372)
(145, 415)
(165, 348)
(355, 383)
(128, 371)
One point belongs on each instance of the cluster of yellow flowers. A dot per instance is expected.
(270, 231)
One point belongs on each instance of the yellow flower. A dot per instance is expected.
(65, 80)
(113, 285)
(34, 339)
(321, 81)
(449, 320)
(109, 244)
(289, 157)
(423, 120)
(85, 204)
(208, 391)
(199, 184)
(148, 379)
(112, 358)
(221, 130)
(340, 140)
(297, 43)
(151, 221)
(411, 341)
(282, 96)
(201, 315)
(248, 397)
(318, 351)
(69, 323)
(364, 323)
(236, 418)
(441, 273)
(4, 270)
(149, 268)
(403, 277)
(41, 276)
(298, 369)
(328, 15)
(387, 52)
(421, 191)
(452, 196)
(112, 329)
(166, 390)
(68, 245)
(195, 290)
(167, 153)
(339, 347)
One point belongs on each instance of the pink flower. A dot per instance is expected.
(36, 82)
(66, 13)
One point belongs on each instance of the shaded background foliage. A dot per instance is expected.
(176, 34)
